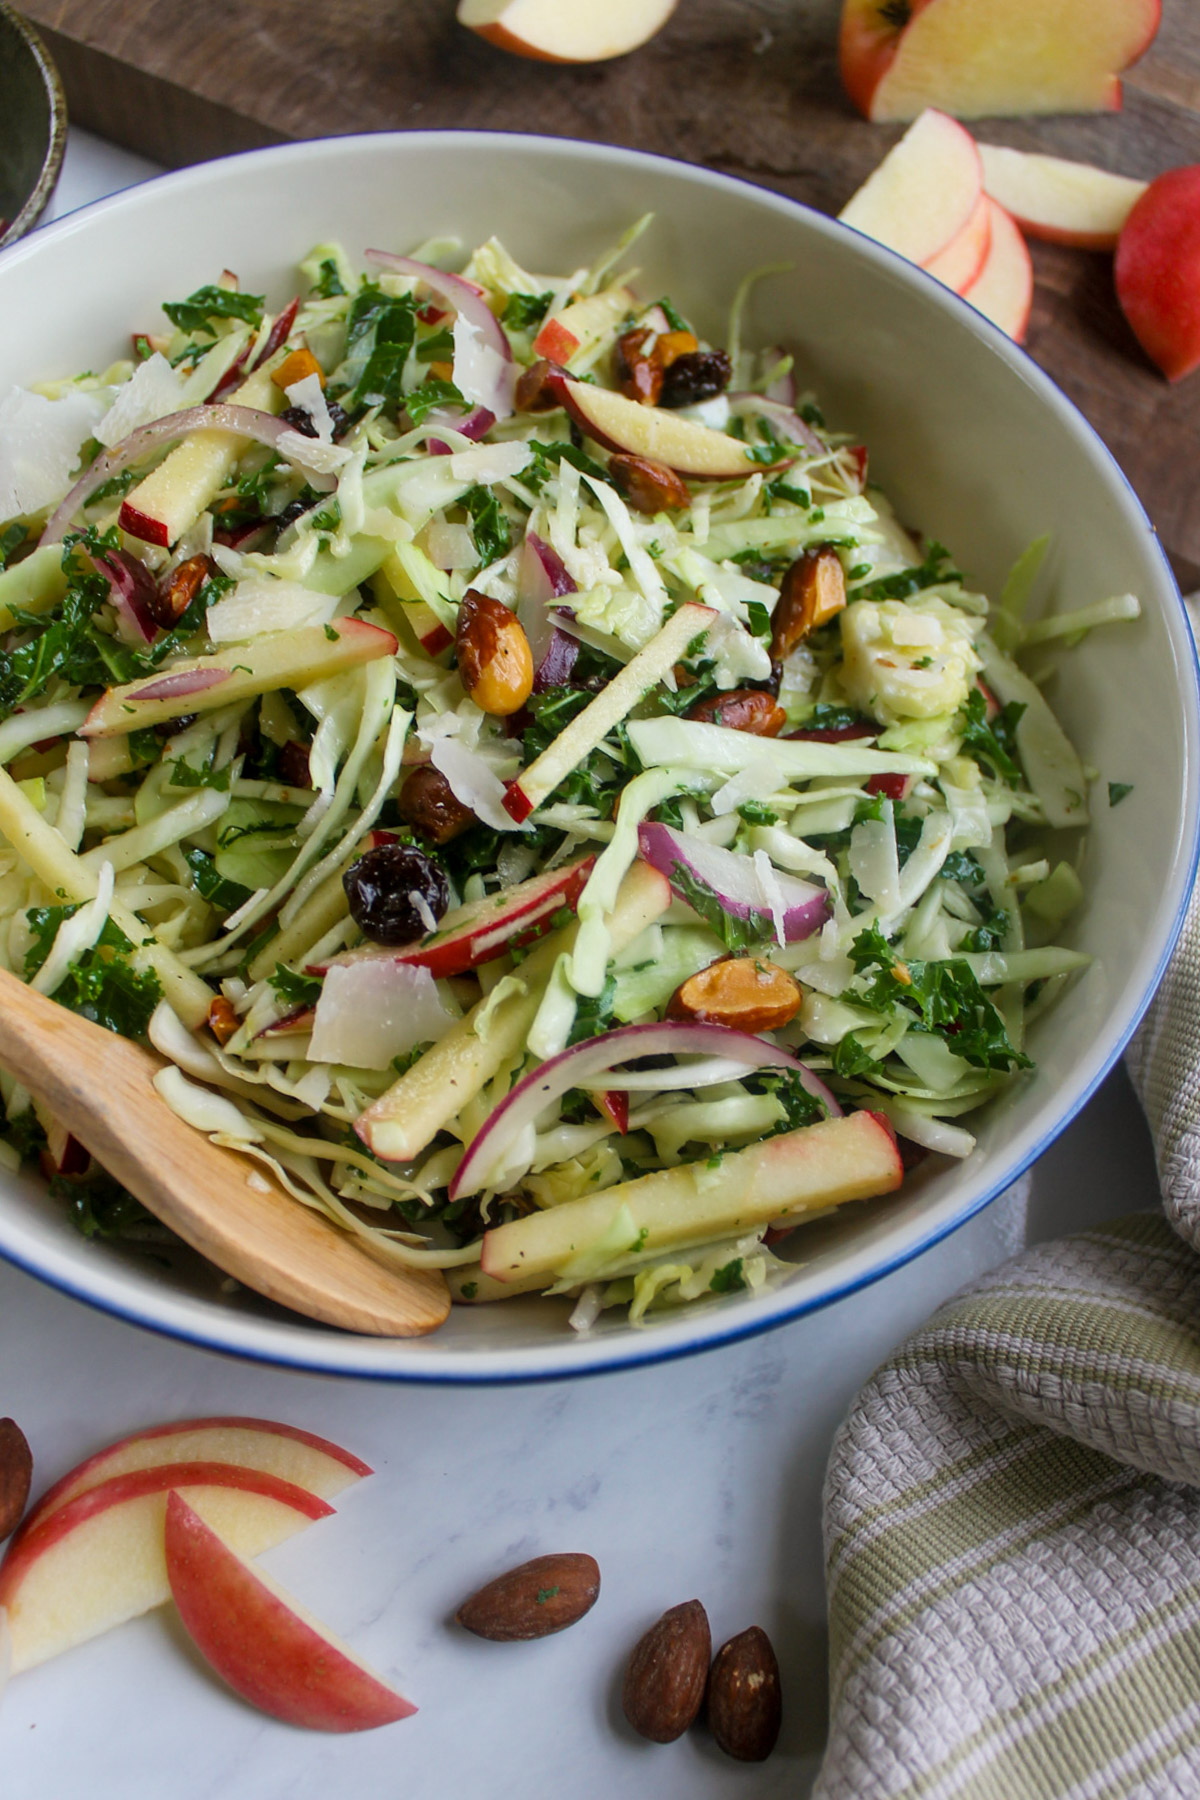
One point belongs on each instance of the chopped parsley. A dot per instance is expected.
(996, 742)
(489, 526)
(1117, 791)
(295, 988)
(432, 393)
(943, 998)
(523, 311)
(328, 284)
(380, 329)
(198, 311)
(935, 569)
(102, 985)
(226, 896)
(728, 1279)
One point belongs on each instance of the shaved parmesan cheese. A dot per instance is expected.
(874, 862)
(152, 391)
(371, 1012)
(309, 395)
(772, 893)
(40, 442)
(472, 781)
(451, 547)
(489, 462)
(259, 604)
(481, 374)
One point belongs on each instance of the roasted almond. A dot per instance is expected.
(746, 992)
(542, 1596)
(742, 709)
(222, 1020)
(495, 662)
(744, 1701)
(812, 592)
(179, 589)
(664, 1683)
(16, 1474)
(649, 486)
(533, 393)
(639, 376)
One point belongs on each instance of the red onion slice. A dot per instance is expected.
(246, 421)
(469, 302)
(462, 295)
(176, 687)
(732, 880)
(542, 578)
(133, 590)
(602, 1056)
(278, 333)
(783, 417)
(474, 425)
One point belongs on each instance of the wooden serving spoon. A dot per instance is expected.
(102, 1087)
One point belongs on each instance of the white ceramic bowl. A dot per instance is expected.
(974, 444)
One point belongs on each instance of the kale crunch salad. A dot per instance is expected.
(507, 757)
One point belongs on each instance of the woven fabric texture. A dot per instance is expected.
(1012, 1509)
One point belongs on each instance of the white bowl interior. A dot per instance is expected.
(972, 442)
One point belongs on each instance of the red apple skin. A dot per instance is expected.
(141, 525)
(1158, 271)
(38, 1534)
(868, 44)
(270, 1655)
(554, 341)
(88, 1474)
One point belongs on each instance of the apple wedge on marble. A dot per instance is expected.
(261, 1642)
(97, 1560)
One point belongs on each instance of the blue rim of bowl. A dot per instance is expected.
(638, 1351)
(51, 169)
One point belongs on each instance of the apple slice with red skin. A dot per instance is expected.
(260, 1641)
(288, 659)
(308, 1461)
(583, 325)
(799, 1172)
(924, 192)
(484, 929)
(1063, 202)
(991, 58)
(616, 423)
(579, 31)
(98, 1559)
(171, 497)
(1158, 271)
(961, 262)
(1003, 290)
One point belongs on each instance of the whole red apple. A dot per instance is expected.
(1158, 271)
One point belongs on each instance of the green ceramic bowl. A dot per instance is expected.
(33, 126)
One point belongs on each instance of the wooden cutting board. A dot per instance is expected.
(746, 86)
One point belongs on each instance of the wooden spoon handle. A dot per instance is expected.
(222, 1204)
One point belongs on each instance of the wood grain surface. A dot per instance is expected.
(746, 86)
(222, 1204)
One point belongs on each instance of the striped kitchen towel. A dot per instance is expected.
(1012, 1511)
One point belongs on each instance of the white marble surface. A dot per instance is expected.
(693, 1478)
